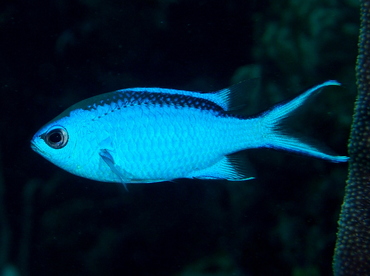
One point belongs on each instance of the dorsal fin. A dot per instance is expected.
(235, 97)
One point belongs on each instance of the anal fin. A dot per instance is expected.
(232, 167)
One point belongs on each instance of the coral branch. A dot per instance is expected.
(352, 252)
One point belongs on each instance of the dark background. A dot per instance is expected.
(55, 53)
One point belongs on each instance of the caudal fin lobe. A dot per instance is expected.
(275, 138)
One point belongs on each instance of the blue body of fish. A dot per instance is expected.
(145, 135)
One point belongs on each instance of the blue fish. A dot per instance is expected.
(145, 135)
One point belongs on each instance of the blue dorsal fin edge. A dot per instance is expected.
(236, 97)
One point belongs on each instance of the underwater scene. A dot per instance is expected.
(244, 177)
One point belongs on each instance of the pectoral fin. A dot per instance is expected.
(124, 176)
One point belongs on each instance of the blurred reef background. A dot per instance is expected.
(55, 53)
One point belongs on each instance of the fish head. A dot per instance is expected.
(59, 143)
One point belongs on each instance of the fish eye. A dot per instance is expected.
(56, 138)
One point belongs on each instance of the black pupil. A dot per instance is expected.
(55, 137)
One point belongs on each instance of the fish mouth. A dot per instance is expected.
(38, 149)
(35, 147)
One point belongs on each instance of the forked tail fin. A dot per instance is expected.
(275, 137)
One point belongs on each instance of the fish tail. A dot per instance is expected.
(274, 136)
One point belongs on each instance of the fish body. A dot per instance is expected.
(145, 135)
